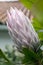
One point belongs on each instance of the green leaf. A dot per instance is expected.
(30, 56)
(5, 63)
(2, 55)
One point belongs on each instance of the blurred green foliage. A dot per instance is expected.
(38, 27)
(36, 7)
(25, 57)
(11, 56)
(32, 58)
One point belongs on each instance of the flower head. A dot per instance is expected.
(21, 29)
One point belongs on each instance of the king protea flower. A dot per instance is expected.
(21, 29)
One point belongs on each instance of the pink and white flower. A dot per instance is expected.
(21, 29)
